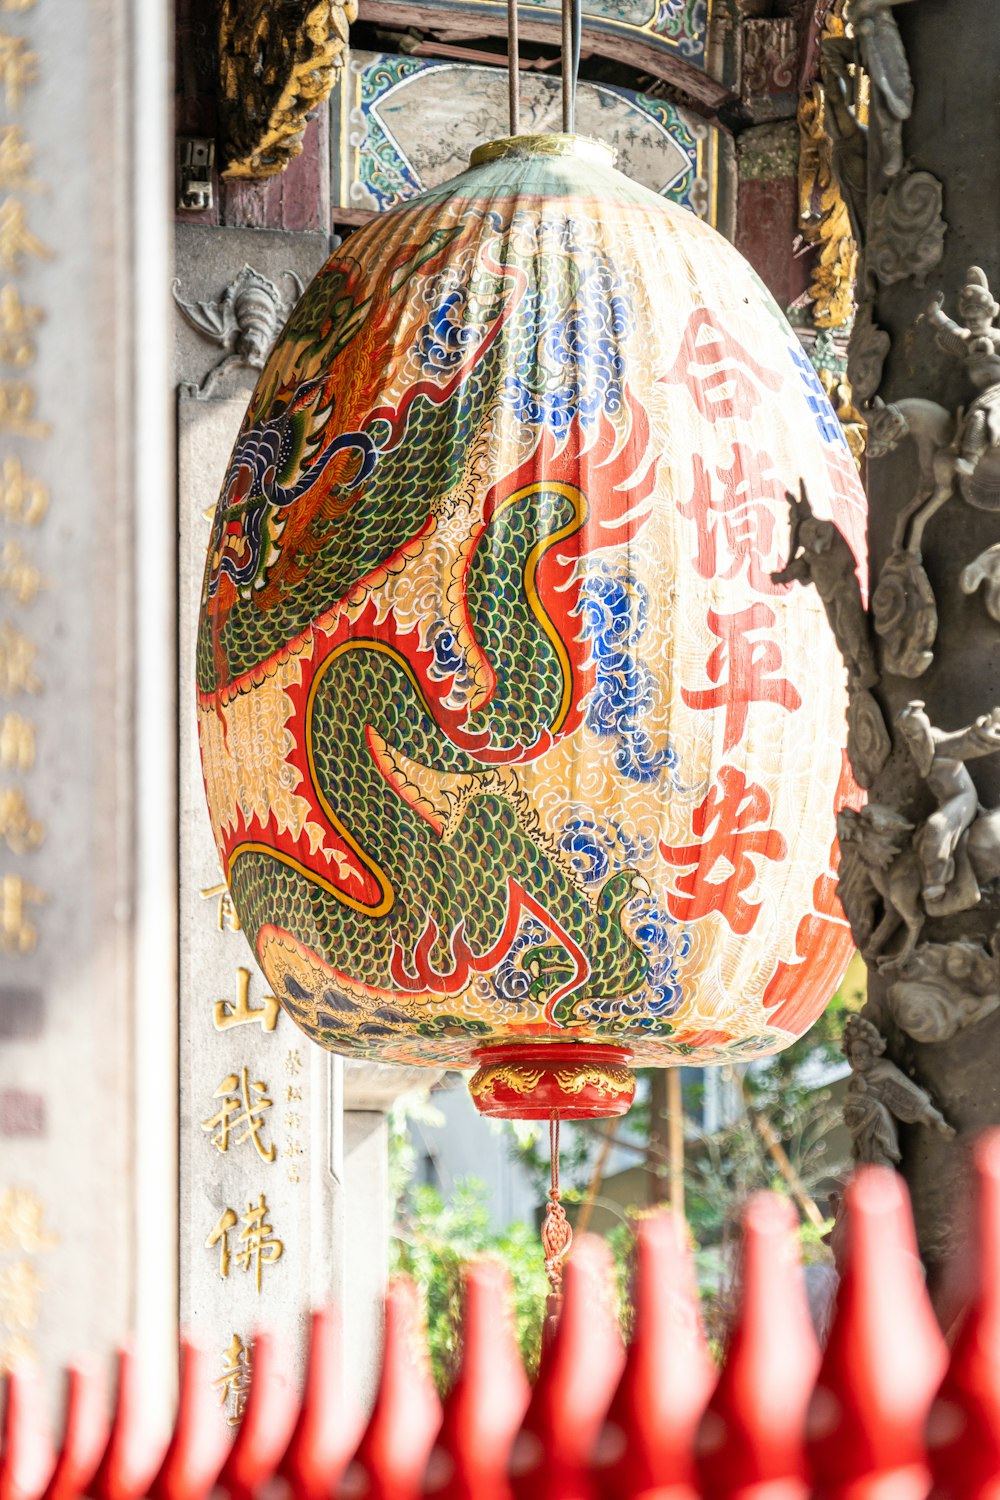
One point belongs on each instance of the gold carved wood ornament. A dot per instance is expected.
(276, 65)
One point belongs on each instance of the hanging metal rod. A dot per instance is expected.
(572, 32)
(513, 69)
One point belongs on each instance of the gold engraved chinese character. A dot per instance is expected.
(18, 829)
(233, 1385)
(240, 1012)
(293, 1094)
(293, 1062)
(17, 325)
(293, 1121)
(257, 1245)
(22, 499)
(294, 1175)
(17, 743)
(220, 1237)
(20, 1287)
(15, 159)
(17, 663)
(18, 68)
(260, 1246)
(18, 574)
(17, 934)
(17, 410)
(22, 1222)
(240, 1108)
(16, 239)
(227, 916)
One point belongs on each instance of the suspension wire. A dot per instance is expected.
(513, 69)
(567, 66)
(577, 6)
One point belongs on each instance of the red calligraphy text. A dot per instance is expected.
(736, 514)
(723, 377)
(732, 825)
(742, 671)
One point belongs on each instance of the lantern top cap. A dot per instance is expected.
(582, 146)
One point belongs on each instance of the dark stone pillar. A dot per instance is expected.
(946, 992)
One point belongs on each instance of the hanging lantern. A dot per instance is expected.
(516, 755)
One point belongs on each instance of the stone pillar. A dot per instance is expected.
(919, 893)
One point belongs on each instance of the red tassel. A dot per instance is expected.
(198, 1447)
(751, 1438)
(884, 1357)
(85, 1434)
(267, 1424)
(486, 1404)
(28, 1459)
(330, 1423)
(963, 1430)
(132, 1455)
(553, 1451)
(393, 1453)
(646, 1443)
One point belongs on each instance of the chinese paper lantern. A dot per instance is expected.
(515, 754)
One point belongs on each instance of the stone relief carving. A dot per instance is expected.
(941, 988)
(879, 1094)
(910, 873)
(868, 741)
(905, 230)
(244, 321)
(878, 868)
(950, 870)
(985, 570)
(820, 554)
(277, 64)
(866, 354)
(905, 614)
(884, 60)
(976, 342)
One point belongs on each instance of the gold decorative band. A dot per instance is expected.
(583, 146)
(522, 1079)
(607, 1079)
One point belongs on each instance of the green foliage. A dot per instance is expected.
(432, 1241)
(434, 1237)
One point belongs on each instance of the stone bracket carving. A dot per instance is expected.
(277, 64)
(244, 321)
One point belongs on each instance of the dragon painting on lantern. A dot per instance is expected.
(507, 728)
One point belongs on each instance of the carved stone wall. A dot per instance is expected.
(919, 867)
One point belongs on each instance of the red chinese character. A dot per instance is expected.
(752, 676)
(724, 379)
(732, 825)
(736, 518)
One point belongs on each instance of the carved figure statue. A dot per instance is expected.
(977, 343)
(941, 988)
(820, 554)
(877, 863)
(940, 758)
(244, 321)
(879, 1093)
(885, 62)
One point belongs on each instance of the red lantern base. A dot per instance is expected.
(534, 1081)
